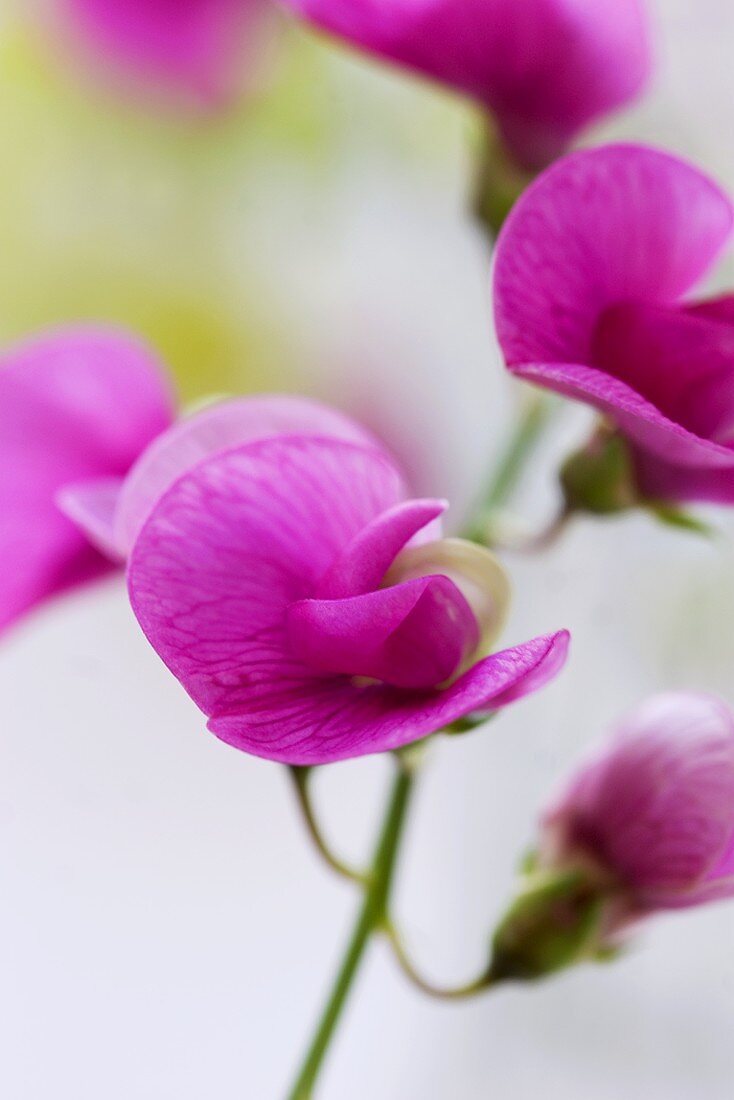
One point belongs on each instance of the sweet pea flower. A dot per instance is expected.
(591, 279)
(77, 404)
(645, 825)
(308, 606)
(544, 68)
(653, 810)
(198, 49)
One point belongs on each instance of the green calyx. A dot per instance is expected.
(556, 921)
(600, 478)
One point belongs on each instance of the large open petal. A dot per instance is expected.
(546, 67)
(234, 542)
(412, 635)
(216, 428)
(621, 223)
(76, 404)
(318, 721)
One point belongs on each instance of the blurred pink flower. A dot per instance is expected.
(307, 605)
(653, 810)
(80, 403)
(591, 271)
(202, 50)
(545, 68)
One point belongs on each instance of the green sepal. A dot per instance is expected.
(555, 922)
(469, 723)
(600, 478)
(682, 520)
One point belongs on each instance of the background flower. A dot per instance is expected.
(653, 810)
(544, 68)
(590, 277)
(202, 51)
(76, 404)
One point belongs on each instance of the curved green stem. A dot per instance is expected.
(370, 917)
(301, 782)
(457, 993)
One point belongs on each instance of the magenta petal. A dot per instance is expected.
(545, 67)
(320, 721)
(621, 223)
(413, 635)
(91, 505)
(234, 542)
(637, 418)
(217, 428)
(368, 557)
(78, 404)
(197, 47)
(659, 480)
(681, 360)
(715, 309)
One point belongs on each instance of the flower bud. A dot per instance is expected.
(645, 825)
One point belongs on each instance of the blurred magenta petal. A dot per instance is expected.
(226, 424)
(199, 48)
(590, 273)
(78, 404)
(546, 68)
(233, 558)
(655, 807)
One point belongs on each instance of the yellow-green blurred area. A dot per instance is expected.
(114, 209)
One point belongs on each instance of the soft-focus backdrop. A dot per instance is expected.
(166, 931)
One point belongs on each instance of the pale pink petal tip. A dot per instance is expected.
(591, 273)
(257, 578)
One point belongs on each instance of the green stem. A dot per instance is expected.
(523, 441)
(499, 181)
(301, 781)
(442, 993)
(371, 917)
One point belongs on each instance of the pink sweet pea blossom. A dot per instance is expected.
(544, 68)
(199, 49)
(653, 811)
(592, 272)
(78, 404)
(305, 602)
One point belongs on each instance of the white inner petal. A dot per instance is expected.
(475, 571)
